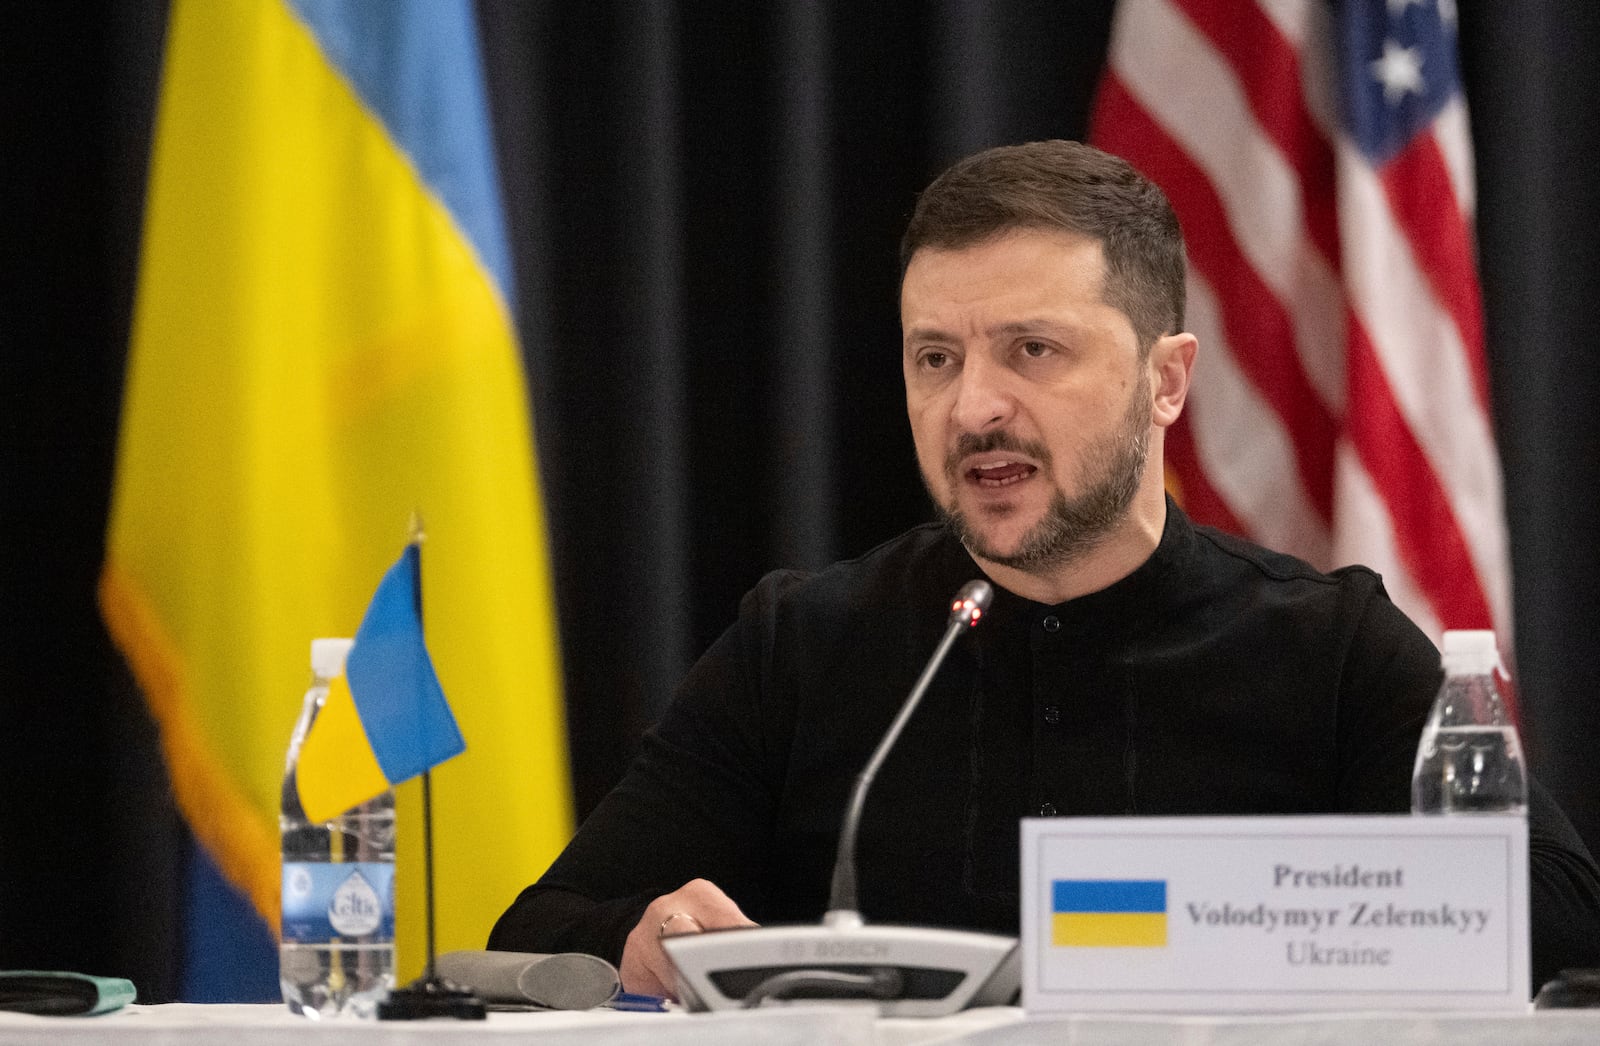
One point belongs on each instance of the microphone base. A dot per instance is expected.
(428, 997)
(937, 972)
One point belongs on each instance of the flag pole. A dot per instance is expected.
(429, 995)
(418, 536)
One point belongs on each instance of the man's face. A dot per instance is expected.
(1029, 405)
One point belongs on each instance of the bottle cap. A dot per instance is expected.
(1470, 652)
(327, 656)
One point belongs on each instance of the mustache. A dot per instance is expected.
(969, 443)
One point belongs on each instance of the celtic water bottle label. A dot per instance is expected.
(323, 901)
(355, 909)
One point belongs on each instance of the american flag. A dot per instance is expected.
(1319, 159)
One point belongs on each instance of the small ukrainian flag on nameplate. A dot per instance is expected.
(1109, 913)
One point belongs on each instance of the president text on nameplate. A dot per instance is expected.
(1275, 913)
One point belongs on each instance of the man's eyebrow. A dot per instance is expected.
(1038, 326)
(1016, 328)
(933, 334)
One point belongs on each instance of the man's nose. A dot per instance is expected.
(983, 400)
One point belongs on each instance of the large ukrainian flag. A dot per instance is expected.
(322, 344)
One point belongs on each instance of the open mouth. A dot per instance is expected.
(992, 475)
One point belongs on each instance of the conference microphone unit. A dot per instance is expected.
(909, 971)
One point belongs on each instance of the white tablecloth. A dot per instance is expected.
(190, 1025)
(193, 1025)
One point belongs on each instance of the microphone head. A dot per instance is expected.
(971, 602)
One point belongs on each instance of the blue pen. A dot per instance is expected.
(637, 1003)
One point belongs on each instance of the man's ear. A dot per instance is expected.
(1171, 363)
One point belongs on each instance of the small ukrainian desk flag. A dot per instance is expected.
(391, 721)
(1109, 913)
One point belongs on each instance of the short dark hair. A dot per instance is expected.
(1072, 187)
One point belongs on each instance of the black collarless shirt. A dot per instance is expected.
(1218, 678)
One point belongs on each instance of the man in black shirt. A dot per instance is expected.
(1132, 663)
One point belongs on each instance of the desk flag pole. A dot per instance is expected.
(407, 723)
(429, 995)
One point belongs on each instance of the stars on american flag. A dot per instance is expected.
(1399, 70)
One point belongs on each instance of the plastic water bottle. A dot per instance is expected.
(337, 951)
(1469, 759)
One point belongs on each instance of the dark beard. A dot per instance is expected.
(1071, 528)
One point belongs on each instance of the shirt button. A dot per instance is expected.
(1052, 714)
(1051, 623)
(1047, 809)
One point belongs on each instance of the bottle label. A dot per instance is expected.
(323, 901)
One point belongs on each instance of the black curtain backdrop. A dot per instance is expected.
(705, 201)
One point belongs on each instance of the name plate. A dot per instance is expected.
(1275, 913)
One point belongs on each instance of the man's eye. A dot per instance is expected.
(1035, 349)
(934, 360)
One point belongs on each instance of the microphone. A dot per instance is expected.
(910, 971)
(965, 611)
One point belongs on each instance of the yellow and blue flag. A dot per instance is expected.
(322, 343)
(390, 721)
(1109, 913)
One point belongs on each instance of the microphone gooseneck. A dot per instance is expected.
(966, 610)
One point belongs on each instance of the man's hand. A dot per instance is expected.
(692, 908)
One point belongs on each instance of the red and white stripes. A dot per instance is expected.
(1340, 404)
